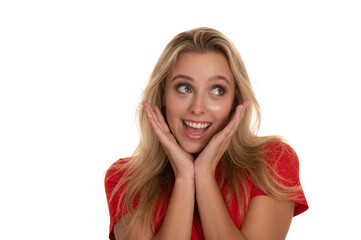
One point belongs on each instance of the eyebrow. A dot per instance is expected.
(214, 78)
(184, 77)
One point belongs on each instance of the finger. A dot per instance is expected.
(161, 119)
(157, 130)
(155, 125)
(152, 115)
(157, 117)
(220, 142)
(239, 115)
(234, 122)
(148, 112)
(244, 109)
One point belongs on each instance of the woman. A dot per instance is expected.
(200, 171)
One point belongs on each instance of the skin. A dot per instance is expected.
(195, 96)
(203, 94)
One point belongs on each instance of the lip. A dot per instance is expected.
(192, 136)
(201, 122)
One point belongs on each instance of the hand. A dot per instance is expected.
(208, 159)
(181, 161)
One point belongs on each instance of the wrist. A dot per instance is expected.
(184, 176)
(205, 174)
(204, 170)
(185, 183)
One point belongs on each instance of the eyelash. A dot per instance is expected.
(220, 88)
(183, 85)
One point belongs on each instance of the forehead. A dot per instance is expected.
(207, 63)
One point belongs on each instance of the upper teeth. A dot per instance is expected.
(196, 125)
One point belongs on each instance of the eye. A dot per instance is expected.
(184, 88)
(219, 91)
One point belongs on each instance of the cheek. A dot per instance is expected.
(221, 112)
(169, 108)
(174, 107)
(172, 114)
(172, 118)
(221, 109)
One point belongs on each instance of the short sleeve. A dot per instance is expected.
(285, 163)
(112, 177)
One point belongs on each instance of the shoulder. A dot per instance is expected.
(283, 165)
(113, 191)
(280, 155)
(117, 165)
(114, 173)
(279, 149)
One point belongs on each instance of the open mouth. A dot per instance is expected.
(196, 128)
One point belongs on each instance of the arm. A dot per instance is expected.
(177, 223)
(216, 222)
(266, 218)
(178, 219)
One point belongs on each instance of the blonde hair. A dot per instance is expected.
(147, 177)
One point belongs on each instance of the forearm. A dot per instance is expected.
(216, 222)
(178, 220)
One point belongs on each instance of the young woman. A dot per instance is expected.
(200, 171)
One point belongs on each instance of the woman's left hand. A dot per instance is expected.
(208, 159)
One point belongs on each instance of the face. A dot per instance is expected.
(198, 98)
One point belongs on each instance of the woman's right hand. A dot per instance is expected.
(181, 161)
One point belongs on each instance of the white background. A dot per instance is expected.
(72, 71)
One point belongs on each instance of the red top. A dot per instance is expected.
(286, 166)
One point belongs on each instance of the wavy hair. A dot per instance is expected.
(147, 177)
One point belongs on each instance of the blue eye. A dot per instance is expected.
(219, 91)
(184, 89)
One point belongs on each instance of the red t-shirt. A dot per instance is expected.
(286, 166)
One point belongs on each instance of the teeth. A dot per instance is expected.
(196, 125)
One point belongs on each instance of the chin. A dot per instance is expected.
(193, 148)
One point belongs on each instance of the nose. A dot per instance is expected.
(197, 105)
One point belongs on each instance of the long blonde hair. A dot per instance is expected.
(147, 176)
